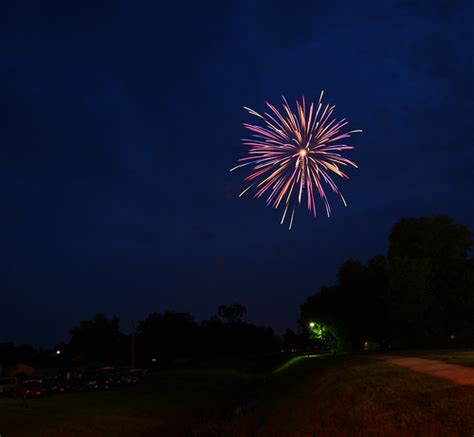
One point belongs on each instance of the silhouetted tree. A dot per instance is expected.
(325, 310)
(11, 354)
(232, 313)
(292, 340)
(422, 294)
(98, 341)
(227, 334)
(430, 290)
(353, 310)
(168, 336)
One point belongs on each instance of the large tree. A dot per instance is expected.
(98, 341)
(227, 334)
(430, 287)
(422, 294)
(166, 336)
(232, 313)
(352, 310)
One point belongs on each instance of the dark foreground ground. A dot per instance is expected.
(346, 395)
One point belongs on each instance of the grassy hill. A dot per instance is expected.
(345, 395)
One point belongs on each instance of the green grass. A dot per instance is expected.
(345, 395)
(168, 402)
(355, 395)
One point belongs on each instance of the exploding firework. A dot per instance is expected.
(295, 155)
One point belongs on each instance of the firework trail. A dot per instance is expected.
(294, 156)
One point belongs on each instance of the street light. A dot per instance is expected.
(312, 324)
(58, 352)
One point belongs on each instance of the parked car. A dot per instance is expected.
(7, 386)
(112, 378)
(96, 381)
(57, 384)
(128, 378)
(32, 389)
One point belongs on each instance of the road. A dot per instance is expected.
(457, 374)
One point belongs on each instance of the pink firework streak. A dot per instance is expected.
(292, 154)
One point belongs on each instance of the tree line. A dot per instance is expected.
(160, 339)
(420, 294)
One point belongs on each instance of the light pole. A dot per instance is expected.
(311, 326)
(132, 326)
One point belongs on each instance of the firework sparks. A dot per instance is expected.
(295, 155)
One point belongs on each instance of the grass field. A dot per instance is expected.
(346, 395)
(359, 396)
(169, 402)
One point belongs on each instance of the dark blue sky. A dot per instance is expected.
(120, 121)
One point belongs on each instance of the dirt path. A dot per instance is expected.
(461, 375)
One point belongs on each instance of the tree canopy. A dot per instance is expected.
(420, 294)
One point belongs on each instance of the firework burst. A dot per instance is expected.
(295, 155)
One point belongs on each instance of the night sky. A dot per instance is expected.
(121, 120)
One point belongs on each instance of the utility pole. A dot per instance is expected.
(132, 327)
